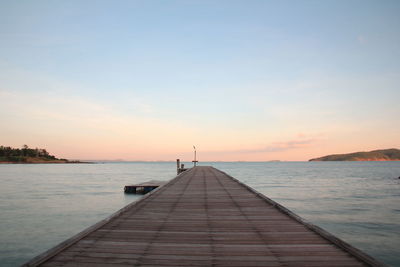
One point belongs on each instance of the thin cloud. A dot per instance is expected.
(275, 146)
(280, 146)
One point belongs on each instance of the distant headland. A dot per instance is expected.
(375, 155)
(29, 155)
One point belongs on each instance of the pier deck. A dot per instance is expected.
(203, 217)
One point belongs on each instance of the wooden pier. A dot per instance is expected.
(204, 217)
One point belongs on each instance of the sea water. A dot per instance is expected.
(41, 205)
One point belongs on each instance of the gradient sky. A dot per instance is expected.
(241, 80)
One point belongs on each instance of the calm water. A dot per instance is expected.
(42, 205)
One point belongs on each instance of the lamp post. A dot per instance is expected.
(195, 160)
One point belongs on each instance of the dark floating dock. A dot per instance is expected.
(143, 188)
(204, 217)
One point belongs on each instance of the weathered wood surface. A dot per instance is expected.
(203, 217)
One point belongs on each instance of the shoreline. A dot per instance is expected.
(358, 160)
(46, 162)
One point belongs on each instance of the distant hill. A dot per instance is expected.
(375, 155)
(28, 155)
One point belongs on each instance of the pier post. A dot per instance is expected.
(177, 165)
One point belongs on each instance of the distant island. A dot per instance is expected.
(29, 155)
(375, 155)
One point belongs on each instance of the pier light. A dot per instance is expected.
(195, 159)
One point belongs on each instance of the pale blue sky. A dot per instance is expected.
(232, 75)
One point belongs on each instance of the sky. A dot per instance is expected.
(240, 80)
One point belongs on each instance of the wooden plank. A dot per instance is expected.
(360, 255)
(204, 217)
(65, 244)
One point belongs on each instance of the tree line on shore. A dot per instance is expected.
(9, 154)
